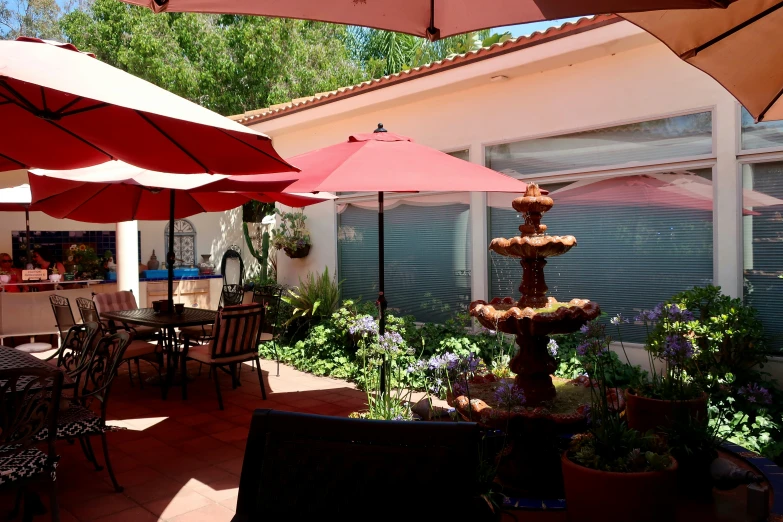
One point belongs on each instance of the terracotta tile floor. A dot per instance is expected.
(178, 460)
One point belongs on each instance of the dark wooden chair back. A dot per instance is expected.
(269, 296)
(63, 315)
(300, 465)
(29, 402)
(237, 331)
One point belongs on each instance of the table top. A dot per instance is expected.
(148, 317)
(11, 358)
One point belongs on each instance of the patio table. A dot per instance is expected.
(11, 358)
(167, 322)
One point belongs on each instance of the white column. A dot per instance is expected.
(478, 240)
(727, 189)
(128, 258)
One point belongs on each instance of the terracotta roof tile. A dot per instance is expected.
(515, 44)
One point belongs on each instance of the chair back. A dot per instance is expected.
(63, 315)
(237, 330)
(339, 465)
(101, 365)
(113, 302)
(269, 296)
(75, 346)
(29, 402)
(87, 310)
(232, 295)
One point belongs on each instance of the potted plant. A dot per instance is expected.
(55, 275)
(673, 392)
(291, 234)
(614, 473)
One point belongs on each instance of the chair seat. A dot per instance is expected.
(203, 353)
(75, 421)
(34, 347)
(145, 333)
(25, 464)
(139, 348)
(196, 332)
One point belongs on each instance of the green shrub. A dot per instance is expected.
(316, 298)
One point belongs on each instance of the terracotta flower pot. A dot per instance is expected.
(298, 253)
(604, 496)
(645, 414)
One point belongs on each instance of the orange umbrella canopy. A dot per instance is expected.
(64, 109)
(432, 19)
(741, 47)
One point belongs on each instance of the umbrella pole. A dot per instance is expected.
(381, 296)
(29, 255)
(170, 256)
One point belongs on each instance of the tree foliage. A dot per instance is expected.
(37, 18)
(227, 63)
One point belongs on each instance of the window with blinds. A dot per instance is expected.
(764, 135)
(427, 255)
(763, 245)
(640, 240)
(647, 142)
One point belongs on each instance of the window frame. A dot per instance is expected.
(712, 109)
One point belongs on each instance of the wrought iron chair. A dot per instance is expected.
(270, 296)
(314, 464)
(232, 295)
(151, 351)
(93, 383)
(63, 315)
(237, 332)
(87, 311)
(29, 401)
(71, 356)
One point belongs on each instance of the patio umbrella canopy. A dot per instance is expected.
(64, 109)
(385, 162)
(115, 192)
(740, 47)
(432, 19)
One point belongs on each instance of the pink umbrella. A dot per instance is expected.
(386, 162)
(637, 191)
(432, 19)
(63, 109)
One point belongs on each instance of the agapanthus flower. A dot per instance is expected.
(468, 364)
(417, 366)
(677, 348)
(459, 387)
(391, 342)
(552, 347)
(618, 320)
(508, 395)
(443, 361)
(364, 325)
(593, 330)
(755, 393)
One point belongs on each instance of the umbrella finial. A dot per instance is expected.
(380, 128)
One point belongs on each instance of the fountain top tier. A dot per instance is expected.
(532, 243)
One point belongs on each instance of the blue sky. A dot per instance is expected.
(528, 29)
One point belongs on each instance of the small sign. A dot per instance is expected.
(34, 275)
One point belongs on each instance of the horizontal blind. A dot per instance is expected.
(763, 250)
(624, 145)
(427, 258)
(630, 255)
(764, 135)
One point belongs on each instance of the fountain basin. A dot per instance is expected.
(532, 247)
(507, 316)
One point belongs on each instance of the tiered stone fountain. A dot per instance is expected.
(531, 463)
(535, 316)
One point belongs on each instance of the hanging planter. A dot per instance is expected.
(291, 236)
(297, 253)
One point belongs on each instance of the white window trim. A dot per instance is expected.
(624, 166)
(750, 152)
